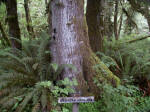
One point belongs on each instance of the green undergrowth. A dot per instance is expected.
(124, 98)
(29, 80)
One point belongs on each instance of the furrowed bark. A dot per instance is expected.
(71, 46)
(67, 16)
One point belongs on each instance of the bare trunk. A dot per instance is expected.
(46, 2)
(71, 45)
(28, 19)
(148, 21)
(108, 21)
(95, 22)
(14, 30)
(115, 20)
(120, 25)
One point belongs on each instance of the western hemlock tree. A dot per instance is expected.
(70, 45)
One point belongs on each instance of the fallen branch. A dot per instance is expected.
(138, 39)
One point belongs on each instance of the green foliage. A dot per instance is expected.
(84, 107)
(143, 104)
(115, 100)
(38, 16)
(28, 79)
(124, 98)
(3, 42)
(130, 59)
(2, 12)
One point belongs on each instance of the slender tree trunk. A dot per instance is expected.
(120, 25)
(116, 20)
(95, 22)
(28, 19)
(46, 2)
(108, 19)
(148, 20)
(14, 30)
(4, 35)
(71, 45)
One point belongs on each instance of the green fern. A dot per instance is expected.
(23, 73)
(132, 59)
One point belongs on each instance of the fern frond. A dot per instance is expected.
(26, 100)
(44, 98)
(12, 93)
(21, 71)
(13, 57)
(9, 103)
(36, 107)
(11, 65)
(4, 84)
(28, 59)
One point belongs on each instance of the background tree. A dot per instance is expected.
(95, 22)
(12, 18)
(142, 8)
(28, 19)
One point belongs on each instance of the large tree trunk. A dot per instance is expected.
(71, 45)
(67, 17)
(28, 19)
(12, 17)
(95, 22)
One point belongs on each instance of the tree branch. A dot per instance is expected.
(138, 39)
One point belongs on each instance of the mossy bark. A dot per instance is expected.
(71, 46)
(94, 68)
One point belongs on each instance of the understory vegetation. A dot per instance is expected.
(28, 79)
(117, 34)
